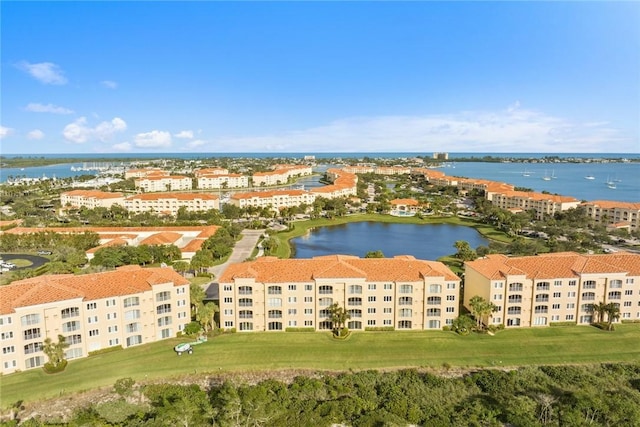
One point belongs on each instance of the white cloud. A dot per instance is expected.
(109, 84)
(153, 139)
(78, 131)
(514, 129)
(45, 72)
(5, 132)
(35, 134)
(185, 134)
(35, 107)
(123, 146)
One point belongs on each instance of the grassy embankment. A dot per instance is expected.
(265, 351)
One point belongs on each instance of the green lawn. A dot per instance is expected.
(362, 350)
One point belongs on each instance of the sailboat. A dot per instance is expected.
(589, 177)
(553, 174)
(526, 173)
(546, 177)
(611, 184)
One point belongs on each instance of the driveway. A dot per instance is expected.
(36, 261)
(241, 251)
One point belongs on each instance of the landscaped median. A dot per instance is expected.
(300, 228)
(269, 351)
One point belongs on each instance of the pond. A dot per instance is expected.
(424, 241)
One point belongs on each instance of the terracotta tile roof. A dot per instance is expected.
(164, 238)
(408, 202)
(557, 265)
(267, 194)
(51, 288)
(96, 194)
(25, 230)
(114, 242)
(274, 270)
(193, 246)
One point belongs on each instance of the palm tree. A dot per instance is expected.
(339, 317)
(55, 351)
(481, 308)
(599, 310)
(613, 313)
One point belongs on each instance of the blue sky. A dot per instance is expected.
(91, 77)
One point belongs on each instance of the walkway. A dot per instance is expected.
(242, 250)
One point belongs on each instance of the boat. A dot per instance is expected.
(612, 185)
(589, 177)
(546, 177)
(526, 173)
(553, 174)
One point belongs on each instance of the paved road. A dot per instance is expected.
(37, 261)
(242, 250)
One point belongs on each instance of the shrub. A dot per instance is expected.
(379, 329)
(49, 368)
(105, 350)
(562, 324)
(446, 328)
(299, 330)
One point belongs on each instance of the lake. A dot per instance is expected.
(424, 241)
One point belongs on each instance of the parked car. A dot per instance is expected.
(43, 252)
(8, 265)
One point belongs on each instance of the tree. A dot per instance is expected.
(613, 313)
(196, 296)
(462, 324)
(205, 314)
(465, 253)
(481, 308)
(339, 317)
(598, 311)
(55, 351)
(374, 254)
(181, 267)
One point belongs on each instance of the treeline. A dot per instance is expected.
(603, 395)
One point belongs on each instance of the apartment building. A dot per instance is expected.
(272, 294)
(609, 212)
(217, 181)
(170, 203)
(275, 199)
(543, 204)
(142, 173)
(150, 184)
(559, 287)
(125, 307)
(280, 174)
(90, 199)
(210, 171)
(345, 184)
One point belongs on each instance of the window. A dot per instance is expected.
(165, 333)
(557, 283)
(112, 329)
(274, 326)
(245, 326)
(497, 297)
(94, 333)
(354, 301)
(274, 290)
(163, 296)
(308, 299)
(555, 318)
(405, 301)
(181, 290)
(132, 327)
(404, 324)
(451, 309)
(372, 286)
(274, 302)
(496, 320)
(433, 324)
(555, 306)
(628, 292)
(112, 316)
(371, 322)
(589, 284)
(164, 321)
(451, 285)
(557, 294)
(7, 335)
(292, 287)
(572, 282)
(498, 285)
(405, 312)
(227, 288)
(308, 287)
(434, 300)
(92, 319)
(131, 301)
(355, 289)
(406, 289)
(31, 334)
(514, 310)
(572, 294)
(308, 311)
(513, 322)
(133, 340)
(245, 290)
(588, 296)
(5, 319)
(515, 299)
(34, 347)
(386, 310)
(542, 298)
(386, 322)
(538, 321)
(355, 312)
(114, 341)
(275, 314)
(92, 306)
(244, 302)
(515, 287)
(10, 364)
(387, 286)
(292, 312)
(30, 319)
(34, 362)
(542, 286)
(540, 309)
(182, 303)
(571, 305)
(627, 303)
(433, 312)
(568, 317)
(629, 281)
(451, 297)
(74, 339)
(371, 310)
(371, 299)
(435, 289)
(70, 312)
(132, 314)
(325, 289)
(228, 312)
(163, 308)
(8, 350)
(387, 298)
(111, 302)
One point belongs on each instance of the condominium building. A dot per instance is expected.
(345, 184)
(543, 204)
(280, 174)
(609, 212)
(90, 199)
(560, 287)
(170, 203)
(210, 171)
(125, 307)
(216, 181)
(272, 294)
(164, 183)
(141, 173)
(275, 199)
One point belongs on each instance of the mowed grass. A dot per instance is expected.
(318, 351)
